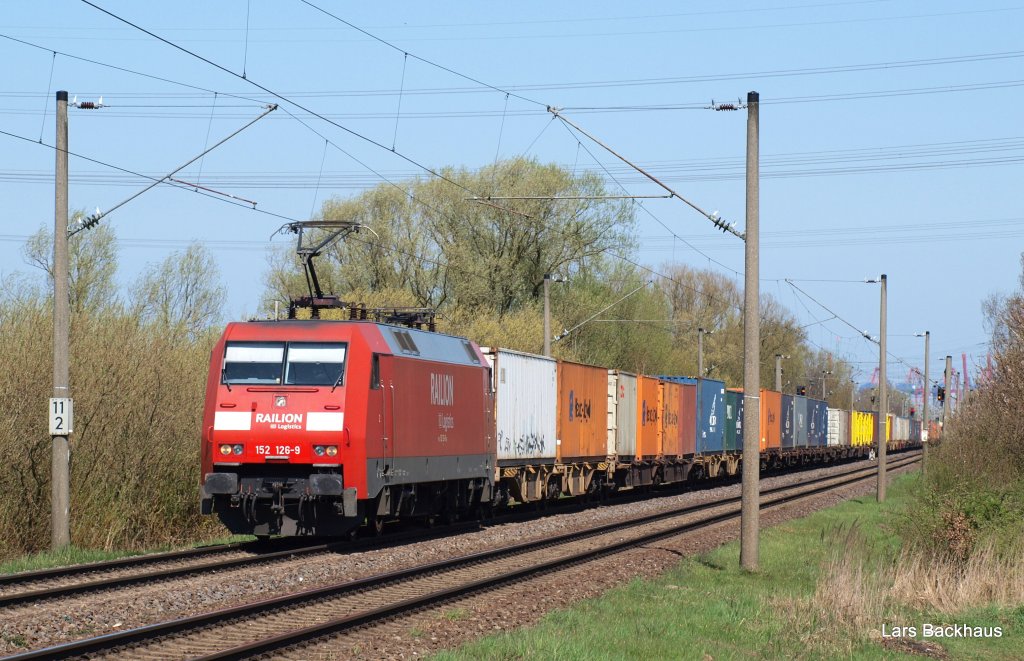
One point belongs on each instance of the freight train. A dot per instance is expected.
(316, 427)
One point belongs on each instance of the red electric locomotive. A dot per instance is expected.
(313, 427)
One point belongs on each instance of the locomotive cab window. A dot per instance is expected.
(253, 362)
(315, 364)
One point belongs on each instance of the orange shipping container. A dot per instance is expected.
(688, 418)
(671, 427)
(771, 419)
(582, 412)
(648, 410)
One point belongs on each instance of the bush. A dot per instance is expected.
(138, 391)
(974, 492)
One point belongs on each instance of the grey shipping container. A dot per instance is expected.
(838, 427)
(788, 422)
(526, 396)
(800, 420)
(622, 413)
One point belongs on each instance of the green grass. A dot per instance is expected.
(72, 555)
(706, 608)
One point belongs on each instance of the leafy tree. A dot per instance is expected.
(182, 293)
(92, 258)
(427, 238)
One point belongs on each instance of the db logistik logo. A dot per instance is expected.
(648, 415)
(579, 409)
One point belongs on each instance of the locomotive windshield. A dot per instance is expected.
(253, 362)
(315, 364)
(278, 363)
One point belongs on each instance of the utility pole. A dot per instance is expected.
(60, 492)
(548, 278)
(853, 394)
(778, 371)
(883, 396)
(547, 317)
(824, 384)
(945, 401)
(700, 350)
(749, 510)
(924, 405)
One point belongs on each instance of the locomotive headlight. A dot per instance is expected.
(332, 450)
(238, 449)
(225, 449)
(319, 450)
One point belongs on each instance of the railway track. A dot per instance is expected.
(30, 586)
(61, 582)
(286, 623)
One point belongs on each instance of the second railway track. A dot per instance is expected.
(284, 622)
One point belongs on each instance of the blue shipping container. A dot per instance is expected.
(800, 418)
(710, 412)
(788, 424)
(739, 422)
(817, 423)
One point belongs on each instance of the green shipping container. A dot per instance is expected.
(732, 408)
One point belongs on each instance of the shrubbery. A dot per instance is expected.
(138, 389)
(974, 492)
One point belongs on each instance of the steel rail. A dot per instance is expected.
(339, 625)
(293, 547)
(117, 640)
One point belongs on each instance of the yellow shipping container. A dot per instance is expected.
(862, 428)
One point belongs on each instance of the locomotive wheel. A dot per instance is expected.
(377, 525)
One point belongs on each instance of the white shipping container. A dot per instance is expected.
(838, 427)
(901, 429)
(525, 400)
(622, 414)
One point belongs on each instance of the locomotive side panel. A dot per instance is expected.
(436, 421)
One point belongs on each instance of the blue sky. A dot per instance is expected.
(890, 132)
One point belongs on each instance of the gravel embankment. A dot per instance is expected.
(525, 603)
(49, 623)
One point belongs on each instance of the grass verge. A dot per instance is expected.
(820, 594)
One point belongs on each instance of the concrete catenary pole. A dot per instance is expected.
(945, 401)
(778, 372)
(547, 316)
(749, 511)
(924, 404)
(700, 353)
(883, 396)
(60, 492)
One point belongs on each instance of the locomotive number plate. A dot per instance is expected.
(278, 450)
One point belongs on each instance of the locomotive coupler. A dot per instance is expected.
(278, 499)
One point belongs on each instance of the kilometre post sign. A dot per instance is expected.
(61, 416)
